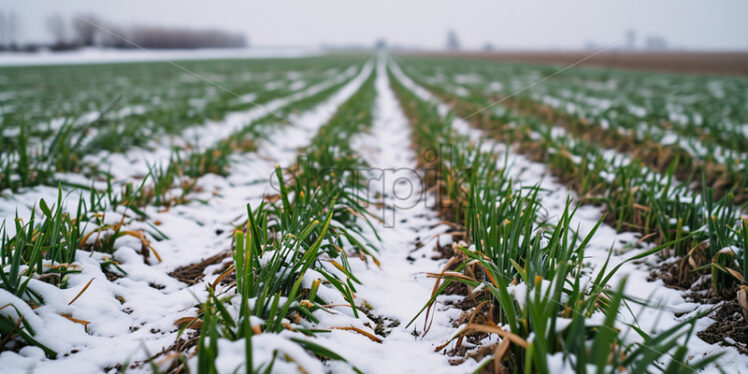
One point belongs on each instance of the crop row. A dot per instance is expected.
(705, 110)
(45, 248)
(527, 274)
(524, 275)
(640, 193)
(74, 139)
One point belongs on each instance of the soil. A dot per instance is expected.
(193, 273)
(676, 274)
(721, 63)
(383, 325)
(730, 328)
(185, 343)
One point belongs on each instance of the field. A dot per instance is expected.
(374, 214)
(716, 63)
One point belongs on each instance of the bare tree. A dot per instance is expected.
(2, 29)
(114, 37)
(57, 28)
(85, 29)
(11, 31)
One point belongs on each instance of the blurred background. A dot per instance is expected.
(672, 34)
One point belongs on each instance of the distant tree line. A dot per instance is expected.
(89, 30)
(161, 37)
(9, 26)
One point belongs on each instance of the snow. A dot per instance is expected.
(399, 289)
(97, 55)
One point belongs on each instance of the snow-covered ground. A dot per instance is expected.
(131, 165)
(399, 288)
(100, 55)
(396, 289)
(134, 315)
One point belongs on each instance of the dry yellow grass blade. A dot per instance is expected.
(450, 274)
(82, 291)
(168, 357)
(85, 237)
(736, 274)
(642, 207)
(426, 322)
(141, 236)
(489, 328)
(189, 323)
(498, 356)
(494, 329)
(452, 224)
(357, 214)
(742, 297)
(337, 265)
(288, 326)
(223, 275)
(646, 237)
(61, 266)
(360, 331)
(474, 315)
(76, 320)
(485, 271)
(336, 305)
(101, 229)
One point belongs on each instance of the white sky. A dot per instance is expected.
(710, 24)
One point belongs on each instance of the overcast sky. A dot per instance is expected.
(710, 24)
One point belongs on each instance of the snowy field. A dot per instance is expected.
(293, 212)
(98, 55)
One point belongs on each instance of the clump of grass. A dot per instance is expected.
(11, 328)
(22, 165)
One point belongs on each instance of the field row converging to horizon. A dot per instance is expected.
(371, 214)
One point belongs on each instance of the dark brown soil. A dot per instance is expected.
(722, 63)
(730, 327)
(185, 343)
(675, 274)
(383, 325)
(443, 252)
(730, 323)
(192, 274)
(111, 276)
